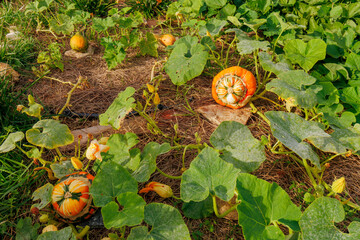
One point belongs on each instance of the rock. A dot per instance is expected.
(7, 70)
(75, 54)
(217, 114)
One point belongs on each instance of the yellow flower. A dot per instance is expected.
(150, 87)
(163, 190)
(338, 185)
(94, 150)
(76, 163)
(156, 99)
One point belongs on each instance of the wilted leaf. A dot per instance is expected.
(10, 142)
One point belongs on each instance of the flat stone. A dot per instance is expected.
(74, 54)
(7, 70)
(216, 114)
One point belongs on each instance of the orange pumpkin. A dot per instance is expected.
(167, 39)
(79, 43)
(71, 198)
(233, 87)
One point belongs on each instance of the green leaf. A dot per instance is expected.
(132, 213)
(317, 222)
(208, 174)
(186, 61)
(25, 230)
(349, 137)
(53, 135)
(114, 52)
(215, 4)
(34, 108)
(268, 65)
(198, 210)
(238, 146)
(102, 24)
(351, 96)
(148, 160)
(110, 182)
(63, 24)
(259, 5)
(295, 85)
(149, 45)
(38, 6)
(62, 169)
(262, 204)
(43, 194)
(117, 111)
(305, 54)
(249, 46)
(10, 142)
(120, 144)
(166, 222)
(353, 61)
(213, 26)
(292, 130)
(63, 234)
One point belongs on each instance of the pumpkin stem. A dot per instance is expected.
(67, 195)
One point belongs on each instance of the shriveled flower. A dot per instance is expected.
(163, 190)
(338, 185)
(94, 150)
(76, 163)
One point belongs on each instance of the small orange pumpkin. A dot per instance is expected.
(71, 198)
(167, 39)
(79, 43)
(233, 87)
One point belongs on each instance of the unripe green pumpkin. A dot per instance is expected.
(79, 43)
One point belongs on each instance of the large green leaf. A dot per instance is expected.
(259, 5)
(102, 24)
(262, 205)
(114, 52)
(63, 234)
(208, 174)
(148, 160)
(120, 144)
(118, 109)
(349, 137)
(25, 230)
(53, 134)
(249, 46)
(63, 24)
(351, 96)
(43, 194)
(212, 27)
(292, 130)
(268, 65)
(110, 182)
(10, 142)
(132, 213)
(186, 61)
(317, 222)
(305, 54)
(166, 222)
(353, 61)
(215, 4)
(197, 210)
(295, 85)
(238, 146)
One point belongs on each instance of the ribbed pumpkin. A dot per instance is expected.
(71, 198)
(79, 43)
(233, 87)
